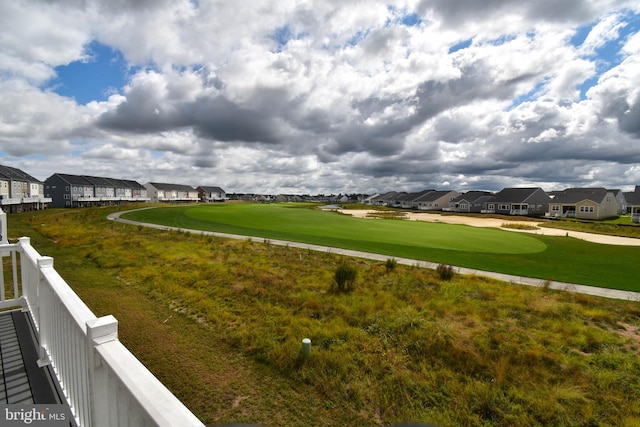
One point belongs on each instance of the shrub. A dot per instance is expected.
(391, 264)
(445, 272)
(345, 276)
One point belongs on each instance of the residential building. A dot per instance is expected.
(164, 192)
(21, 192)
(76, 191)
(633, 201)
(436, 200)
(620, 200)
(211, 194)
(410, 200)
(584, 203)
(518, 201)
(470, 202)
(386, 199)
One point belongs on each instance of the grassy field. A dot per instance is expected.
(545, 257)
(220, 322)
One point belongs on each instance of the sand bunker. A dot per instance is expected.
(475, 221)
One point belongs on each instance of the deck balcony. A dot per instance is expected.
(88, 368)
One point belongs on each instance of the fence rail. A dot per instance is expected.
(103, 382)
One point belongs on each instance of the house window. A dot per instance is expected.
(491, 206)
(504, 207)
(586, 209)
(464, 206)
(555, 208)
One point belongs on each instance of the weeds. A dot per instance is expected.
(445, 272)
(391, 264)
(345, 276)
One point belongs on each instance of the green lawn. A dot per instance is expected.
(545, 257)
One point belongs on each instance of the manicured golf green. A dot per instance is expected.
(546, 257)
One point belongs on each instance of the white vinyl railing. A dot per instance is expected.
(103, 382)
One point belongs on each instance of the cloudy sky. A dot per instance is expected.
(333, 96)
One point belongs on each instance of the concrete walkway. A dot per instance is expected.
(518, 280)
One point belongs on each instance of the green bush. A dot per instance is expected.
(345, 277)
(445, 272)
(391, 264)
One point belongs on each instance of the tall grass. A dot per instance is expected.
(220, 322)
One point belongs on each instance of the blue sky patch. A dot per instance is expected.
(460, 45)
(105, 73)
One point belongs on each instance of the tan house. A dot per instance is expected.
(436, 200)
(583, 203)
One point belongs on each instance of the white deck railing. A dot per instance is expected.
(104, 384)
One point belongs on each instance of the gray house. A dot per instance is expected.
(410, 200)
(470, 202)
(386, 199)
(165, 192)
(584, 203)
(211, 194)
(519, 201)
(633, 201)
(75, 191)
(620, 200)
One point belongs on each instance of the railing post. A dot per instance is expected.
(43, 311)
(100, 331)
(3, 228)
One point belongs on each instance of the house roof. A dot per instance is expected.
(433, 195)
(118, 183)
(474, 196)
(99, 181)
(17, 174)
(171, 187)
(133, 184)
(72, 179)
(416, 196)
(387, 196)
(515, 195)
(207, 189)
(85, 180)
(576, 195)
(633, 198)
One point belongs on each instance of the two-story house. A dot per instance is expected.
(211, 194)
(20, 192)
(76, 191)
(164, 192)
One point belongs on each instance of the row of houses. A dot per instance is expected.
(582, 203)
(81, 190)
(21, 192)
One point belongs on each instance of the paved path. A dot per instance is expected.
(519, 280)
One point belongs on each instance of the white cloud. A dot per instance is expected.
(328, 96)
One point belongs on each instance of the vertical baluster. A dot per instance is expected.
(14, 266)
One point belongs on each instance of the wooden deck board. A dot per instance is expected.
(21, 379)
